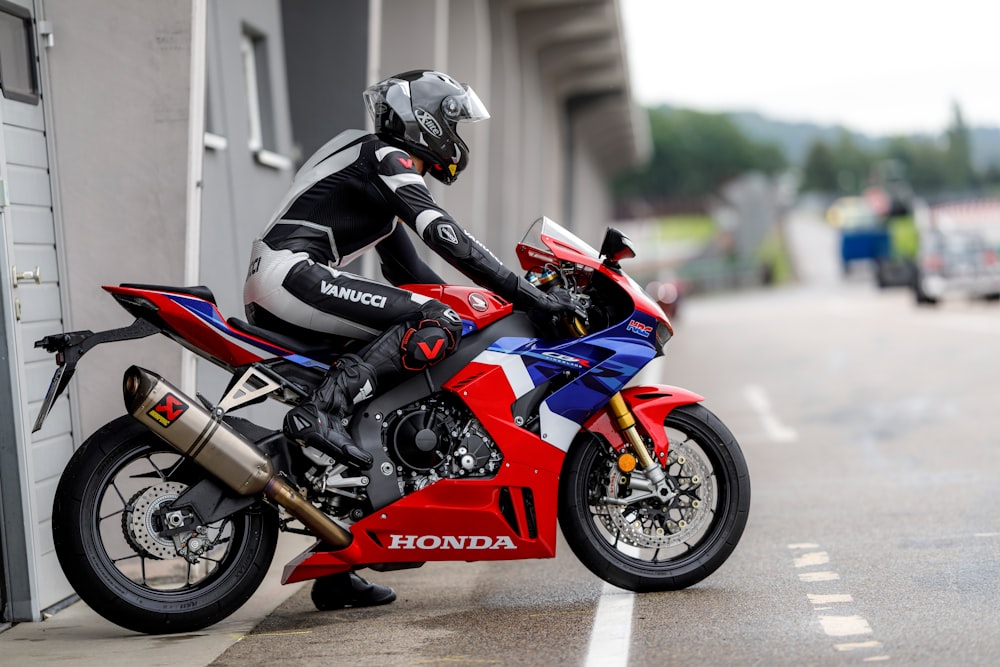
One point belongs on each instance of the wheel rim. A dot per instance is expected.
(642, 528)
(129, 544)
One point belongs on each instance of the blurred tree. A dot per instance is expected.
(820, 169)
(923, 161)
(693, 154)
(958, 153)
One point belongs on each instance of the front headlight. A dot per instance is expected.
(663, 333)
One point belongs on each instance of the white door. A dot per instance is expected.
(32, 300)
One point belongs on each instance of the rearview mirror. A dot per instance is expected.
(616, 247)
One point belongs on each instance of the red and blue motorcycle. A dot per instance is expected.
(166, 519)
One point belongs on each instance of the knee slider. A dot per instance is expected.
(426, 344)
(445, 317)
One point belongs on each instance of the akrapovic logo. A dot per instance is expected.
(428, 122)
(450, 542)
(357, 296)
(168, 410)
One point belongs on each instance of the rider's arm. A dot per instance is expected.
(404, 188)
(401, 264)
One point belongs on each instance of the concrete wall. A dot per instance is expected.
(239, 192)
(119, 74)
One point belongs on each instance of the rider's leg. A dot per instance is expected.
(404, 348)
(411, 332)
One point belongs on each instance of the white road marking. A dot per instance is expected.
(611, 635)
(854, 646)
(840, 625)
(829, 599)
(812, 558)
(845, 626)
(775, 429)
(987, 534)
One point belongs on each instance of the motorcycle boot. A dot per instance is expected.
(347, 589)
(319, 422)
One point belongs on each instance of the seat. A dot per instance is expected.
(319, 350)
(198, 291)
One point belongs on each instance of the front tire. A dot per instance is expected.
(110, 547)
(638, 542)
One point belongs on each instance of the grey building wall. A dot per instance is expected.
(240, 192)
(119, 86)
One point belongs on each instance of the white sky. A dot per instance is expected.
(875, 66)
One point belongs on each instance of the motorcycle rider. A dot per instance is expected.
(348, 198)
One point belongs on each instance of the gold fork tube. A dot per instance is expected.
(626, 423)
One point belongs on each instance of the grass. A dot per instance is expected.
(771, 252)
(686, 228)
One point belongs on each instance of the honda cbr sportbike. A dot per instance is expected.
(166, 519)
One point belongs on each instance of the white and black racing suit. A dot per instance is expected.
(346, 199)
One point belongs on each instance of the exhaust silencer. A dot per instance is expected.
(196, 433)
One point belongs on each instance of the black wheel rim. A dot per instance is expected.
(124, 536)
(634, 526)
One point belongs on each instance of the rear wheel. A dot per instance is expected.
(112, 545)
(632, 538)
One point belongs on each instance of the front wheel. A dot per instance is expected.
(116, 553)
(634, 539)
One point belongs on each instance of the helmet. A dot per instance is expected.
(419, 111)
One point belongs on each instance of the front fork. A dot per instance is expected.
(625, 422)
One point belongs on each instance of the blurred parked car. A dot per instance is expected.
(955, 262)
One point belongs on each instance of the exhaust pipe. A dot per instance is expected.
(196, 433)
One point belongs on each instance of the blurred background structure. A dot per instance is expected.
(150, 141)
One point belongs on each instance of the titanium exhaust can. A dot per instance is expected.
(195, 432)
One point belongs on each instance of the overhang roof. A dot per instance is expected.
(581, 52)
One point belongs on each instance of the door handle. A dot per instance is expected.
(20, 276)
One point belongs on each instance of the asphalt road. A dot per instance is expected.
(872, 434)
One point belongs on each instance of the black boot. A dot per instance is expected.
(319, 422)
(347, 589)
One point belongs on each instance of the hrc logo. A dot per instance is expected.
(637, 327)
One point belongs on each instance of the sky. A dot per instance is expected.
(874, 66)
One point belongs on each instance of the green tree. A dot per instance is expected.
(820, 169)
(693, 154)
(958, 153)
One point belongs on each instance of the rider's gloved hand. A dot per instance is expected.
(555, 304)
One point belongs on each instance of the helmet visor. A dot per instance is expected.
(466, 106)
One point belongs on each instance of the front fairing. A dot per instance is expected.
(600, 363)
(549, 243)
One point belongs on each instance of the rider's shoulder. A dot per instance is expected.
(345, 139)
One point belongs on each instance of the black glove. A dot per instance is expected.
(557, 303)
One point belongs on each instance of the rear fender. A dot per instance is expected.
(650, 404)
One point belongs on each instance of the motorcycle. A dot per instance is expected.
(166, 519)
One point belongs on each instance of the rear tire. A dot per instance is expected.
(107, 542)
(646, 544)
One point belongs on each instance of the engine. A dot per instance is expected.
(438, 438)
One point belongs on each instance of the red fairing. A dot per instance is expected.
(467, 521)
(531, 257)
(474, 304)
(650, 404)
(207, 329)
